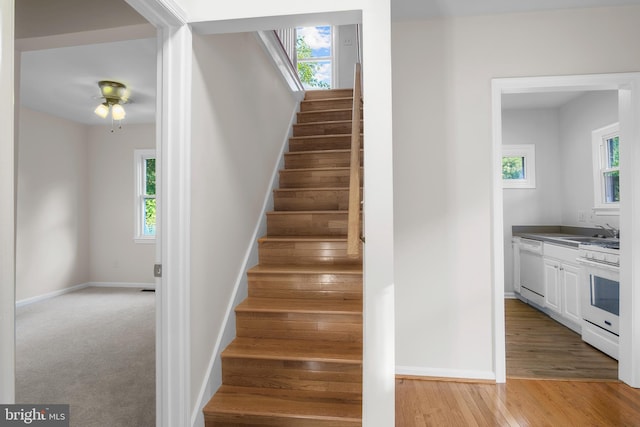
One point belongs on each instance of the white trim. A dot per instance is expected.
(628, 86)
(510, 295)
(49, 295)
(445, 373)
(53, 294)
(528, 153)
(271, 44)
(8, 87)
(139, 172)
(598, 136)
(132, 285)
(173, 231)
(173, 344)
(250, 255)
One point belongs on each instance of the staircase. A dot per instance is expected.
(297, 357)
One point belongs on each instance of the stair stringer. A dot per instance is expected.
(227, 333)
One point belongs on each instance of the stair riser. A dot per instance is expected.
(325, 116)
(328, 94)
(300, 326)
(244, 420)
(305, 253)
(327, 128)
(316, 178)
(292, 375)
(339, 142)
(306, 224)
(318, 160)
(326, 104)
(306, 286)
(311, 200)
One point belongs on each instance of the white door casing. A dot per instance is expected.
(628, 87)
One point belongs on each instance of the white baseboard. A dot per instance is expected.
(445, 373)
(38, 298)
(510, 295)
(122, 285)
(59, 292)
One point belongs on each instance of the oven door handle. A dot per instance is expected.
(596, 264)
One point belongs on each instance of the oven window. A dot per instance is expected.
(605, 294)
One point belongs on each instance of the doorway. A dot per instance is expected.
(628, 100)
(75, 173)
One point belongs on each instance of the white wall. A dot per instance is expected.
(578, 119)
(442, 71)
(533, 206)
(52, 213)
(115, 257)
(346, 51)
(241, 115)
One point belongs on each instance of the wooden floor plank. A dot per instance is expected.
(519, 402)
(539, 347)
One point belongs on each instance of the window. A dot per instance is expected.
(314, 52)
(519, 166)
(606, 170)
(145, 196)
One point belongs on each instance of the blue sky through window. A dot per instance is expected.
(319, 40)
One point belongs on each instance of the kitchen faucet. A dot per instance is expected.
(614, 232)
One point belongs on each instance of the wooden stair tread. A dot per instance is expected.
(295, 350)
(303, 238)
(243, 401)
(290, 305)
(328, 99)
(331, 168)
(332, 212)
(313, 189)
(311, 152)
(337, 135)
(307, 269)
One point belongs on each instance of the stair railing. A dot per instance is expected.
(353, 217)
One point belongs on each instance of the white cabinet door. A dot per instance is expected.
(570, 276)
(552, 285)
(516, 265)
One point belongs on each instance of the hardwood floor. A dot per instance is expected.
(553, 379)
(538, 347)
(519, 402)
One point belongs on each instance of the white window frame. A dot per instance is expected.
(528, 152)
(139, 168)
(331, 58)
(598, 150)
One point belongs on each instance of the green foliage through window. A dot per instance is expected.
(513, 168)
(150, 202)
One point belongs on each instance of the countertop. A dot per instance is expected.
(559, 235)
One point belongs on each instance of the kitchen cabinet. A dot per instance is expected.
(515, 245)
(552, 285)
(561, 277)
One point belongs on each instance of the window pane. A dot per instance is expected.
(513, 168)
(314, 52)
(613, 152)
(149, 228)
(612, 187)
(150, 177)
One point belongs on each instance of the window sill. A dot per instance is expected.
(607, 210)
(145, 240)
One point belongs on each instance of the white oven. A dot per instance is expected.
(600, 293)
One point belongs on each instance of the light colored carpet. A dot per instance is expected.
(93, 349)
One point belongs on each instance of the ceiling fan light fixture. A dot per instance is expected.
(117, 112)
(114, 94)
(102, 110)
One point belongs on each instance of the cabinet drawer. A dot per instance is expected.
(562, 253)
